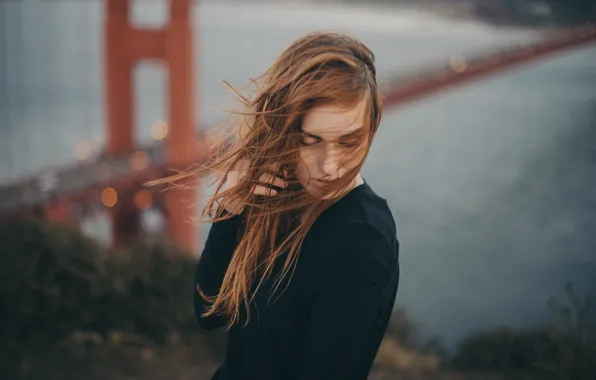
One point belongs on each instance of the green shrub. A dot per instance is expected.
(504, 349)
(47, 275)
(407, 333)
(56, 283)
(55, 280)
(151, 290)
(565, 350)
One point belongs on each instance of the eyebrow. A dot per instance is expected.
(354, 133)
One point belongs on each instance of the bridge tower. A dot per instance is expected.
(125, 46)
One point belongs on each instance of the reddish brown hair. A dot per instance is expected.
(317, 69)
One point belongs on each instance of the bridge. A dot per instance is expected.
(114, 181)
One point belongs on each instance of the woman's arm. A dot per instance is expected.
(221, 244)
(212, 265)
(346, 311)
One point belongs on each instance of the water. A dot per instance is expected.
(492, 184)
(494, 190)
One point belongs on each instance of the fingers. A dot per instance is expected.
(269, 179)
(273, 180)
(262, 190)
(262, 185)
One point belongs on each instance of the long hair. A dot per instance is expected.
(319, 68)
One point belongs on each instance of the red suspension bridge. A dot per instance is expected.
(114, 181)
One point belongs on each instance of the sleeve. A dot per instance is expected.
(212, 266)
(346, 310)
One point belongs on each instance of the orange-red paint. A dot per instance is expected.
(126, 46)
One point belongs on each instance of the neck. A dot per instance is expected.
(358, 180)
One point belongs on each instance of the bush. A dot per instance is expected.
(55, 284)
(151, 288)
(407, 333)
(47, 274)
(565, 350)
(504, 349)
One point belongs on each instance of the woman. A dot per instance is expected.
(301, 262)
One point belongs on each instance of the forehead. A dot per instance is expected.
(331, 121)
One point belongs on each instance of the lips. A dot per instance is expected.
(324, 182)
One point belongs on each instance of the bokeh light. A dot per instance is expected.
(143, 199)
(458, 64)
(109, 197)
(139, 160)
(159, 130)
(83, 150)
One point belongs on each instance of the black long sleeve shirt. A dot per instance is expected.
(329, 322)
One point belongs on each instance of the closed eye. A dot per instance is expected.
(308, 140)
(350, 144)
(349, 141)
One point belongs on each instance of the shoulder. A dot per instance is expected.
(363, 214)
(360, 243)
(355, 256)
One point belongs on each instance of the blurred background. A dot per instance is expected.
(486, 155)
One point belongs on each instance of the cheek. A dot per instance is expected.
(359, 156)
(351, 161)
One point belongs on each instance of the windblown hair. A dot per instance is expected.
(319, 68)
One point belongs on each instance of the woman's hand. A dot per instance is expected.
(261, 187)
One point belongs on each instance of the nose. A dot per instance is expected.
(330, 164)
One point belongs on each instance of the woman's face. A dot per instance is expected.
(330, 134)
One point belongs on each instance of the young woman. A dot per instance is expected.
(301, 262)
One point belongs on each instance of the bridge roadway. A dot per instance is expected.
(51, 185)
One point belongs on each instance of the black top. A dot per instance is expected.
(329, 322)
